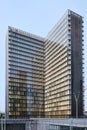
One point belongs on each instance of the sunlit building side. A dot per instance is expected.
(63, 67)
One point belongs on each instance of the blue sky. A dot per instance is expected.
(37, 17)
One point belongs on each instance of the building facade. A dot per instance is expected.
(64, 68)
(44, 76)
(25, 74)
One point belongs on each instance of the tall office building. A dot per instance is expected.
(45, 75)
(25, 74)
(63, 68)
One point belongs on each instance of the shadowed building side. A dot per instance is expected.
(77, 63)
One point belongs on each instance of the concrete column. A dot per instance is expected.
(71, 128)
(59, 128)
(1, 125)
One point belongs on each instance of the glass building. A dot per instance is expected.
(63, 68)
(25, 74)
(44, 76)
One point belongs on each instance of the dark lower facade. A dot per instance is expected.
(43, 124)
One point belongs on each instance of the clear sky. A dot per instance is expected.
(37, 17)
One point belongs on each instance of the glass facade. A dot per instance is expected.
(25, 75)
(63, 67)
(58, 71)
(44, 76)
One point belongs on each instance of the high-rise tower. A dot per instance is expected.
(63, 68)
(25, 74)
(44, 76)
